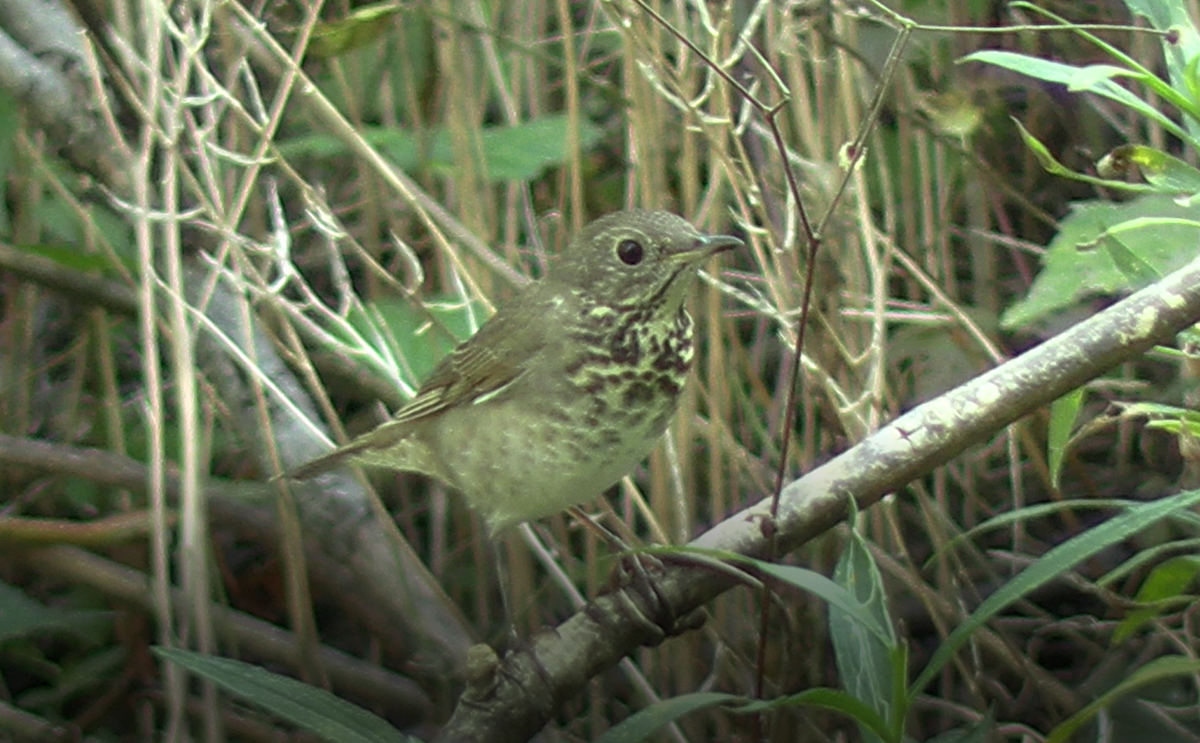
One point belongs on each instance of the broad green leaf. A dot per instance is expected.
(423, 338)
(1158, 231)
(308, 707)
(512, 153)
(522, 152)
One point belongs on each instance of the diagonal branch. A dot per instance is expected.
(528, 686)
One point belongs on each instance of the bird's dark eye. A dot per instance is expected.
(630, 252)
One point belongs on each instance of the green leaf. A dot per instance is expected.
(308, 707)
(21, 616)
(980, 732)
(1137, 272)
(802, 578)
(1052, 166)
(1048, 568)
(864, 663)
(1166, 173)
(1087, 78)
(1157, 235)
(363, 26)
(1162, 14)
(81, 678)
(1181, 56)
(423, 338)
(646, 722)
(1166, 584)
(1065, 74)
(69, 257)
(61, 224)
(512, 153)
(10, 122)
(831, 699)
(1167, 667)
(1063, 414)
(831, 593)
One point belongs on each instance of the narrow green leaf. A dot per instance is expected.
(1064, 74)
(355, 31)
(863, 661)
(21, 616)
(1052, 166)
(10, 125)
(1166, 584)
(1160, 668)
(832, 593)
(646, 722)
(806, 580)
(69, 257)
(1049, 567)
(830, 699)
(980, 732)
(1063, 414)
(1087, 78)
(1181, 53)
(308, 707)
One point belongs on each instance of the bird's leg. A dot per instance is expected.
(499, 555)
(633, 569)
(608, 535)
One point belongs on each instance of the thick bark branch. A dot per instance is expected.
(529, 685)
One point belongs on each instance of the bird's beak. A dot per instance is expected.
(705, 246)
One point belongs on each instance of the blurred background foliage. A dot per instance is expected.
(235, 140)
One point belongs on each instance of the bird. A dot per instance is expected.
(566, 388)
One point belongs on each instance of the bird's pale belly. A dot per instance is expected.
(543, 461)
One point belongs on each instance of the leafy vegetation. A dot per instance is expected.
(276, 219)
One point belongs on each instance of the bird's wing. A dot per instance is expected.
(488, 361)
(484, 364)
